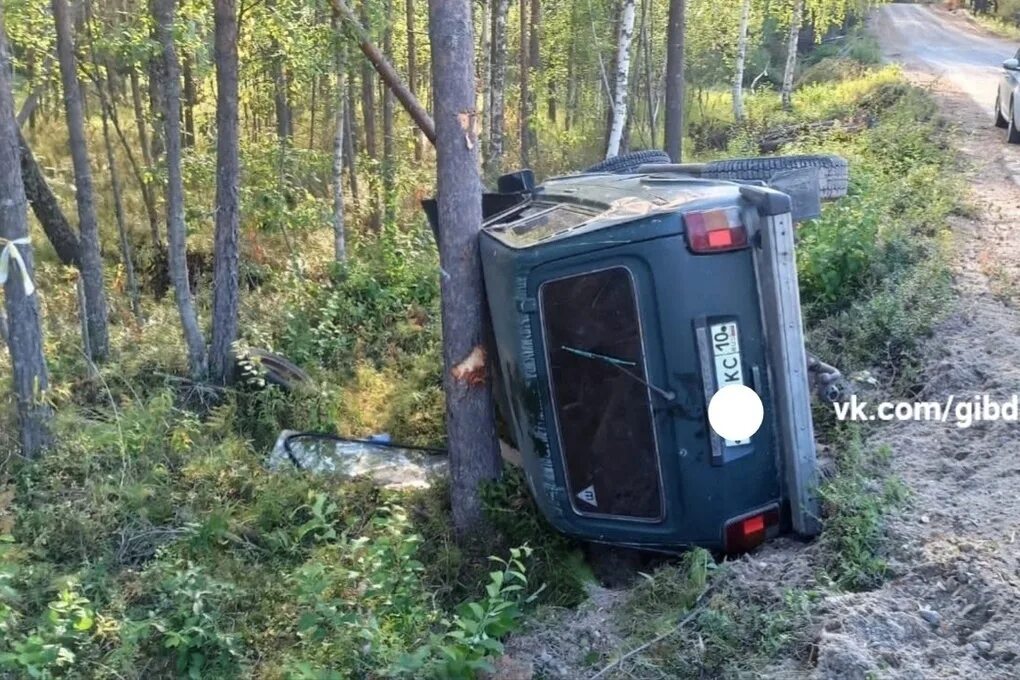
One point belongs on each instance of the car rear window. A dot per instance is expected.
(603, 411)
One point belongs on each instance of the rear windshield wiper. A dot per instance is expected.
(621, 365)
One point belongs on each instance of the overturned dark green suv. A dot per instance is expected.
(622, 298)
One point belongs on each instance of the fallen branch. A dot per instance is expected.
(697, 608)
(386, 71)
(46, 207)
(771, 140)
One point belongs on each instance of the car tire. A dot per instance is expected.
(1012, 133)
(833, 170)
(273, 368)
(628, 162)
(1000, 121)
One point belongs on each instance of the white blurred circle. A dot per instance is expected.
(735, 412)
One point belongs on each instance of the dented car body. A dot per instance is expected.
(620, 303)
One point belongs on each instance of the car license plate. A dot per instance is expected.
(729, 369)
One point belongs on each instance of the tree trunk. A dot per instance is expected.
(497, 86)
(311, 110)
(23, 327)
(88, 225)
(368, 94)
(389, 161)
(609, 77)
(484, 74)
(228, 210)
(148, 195)
(168, 83)
(106, 96)
(530, 137)
(339, 230)
(136, 104)
(474, 452)
(524, 77)
(646, 51)
(620, 97)
(351, 139)
(47, 209)
(791, 54)
(570, 109)
(412, 71)
(190, 99)
(156, 139)
(675, 79)
(738, 74)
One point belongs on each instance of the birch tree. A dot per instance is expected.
(738, 71)
(23, 328)
(340, 67)
(91, 262)
(620, 96)
(228, 211)
(168, 86)
(791, 53)
(470, 421)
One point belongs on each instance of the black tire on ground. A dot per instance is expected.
(833, 178)
(276, 369)
(1000, 121)
(629, 162)
(1012, 133)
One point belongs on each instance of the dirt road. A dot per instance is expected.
(953, 607)
(946, 45)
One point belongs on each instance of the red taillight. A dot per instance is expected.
(715, 231)
(747, 532)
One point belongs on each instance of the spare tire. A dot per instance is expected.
(629, 162)
(833, 176)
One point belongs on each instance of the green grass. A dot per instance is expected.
(855, 503)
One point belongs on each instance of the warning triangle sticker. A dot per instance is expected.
(588, 496)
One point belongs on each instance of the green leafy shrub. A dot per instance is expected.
(558, 561)
(50, 648)
(472, 636)
(189, 621)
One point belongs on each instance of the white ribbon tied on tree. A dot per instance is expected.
(10, 252)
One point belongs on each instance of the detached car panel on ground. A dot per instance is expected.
(620, 304)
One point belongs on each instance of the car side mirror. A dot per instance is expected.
(1011, 65)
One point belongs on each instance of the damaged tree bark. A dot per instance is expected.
(470, 421)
